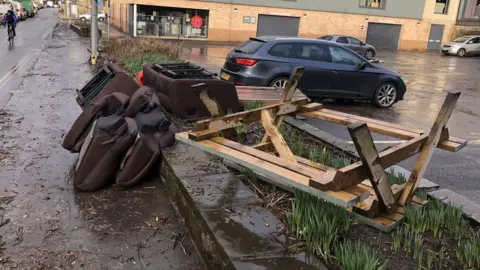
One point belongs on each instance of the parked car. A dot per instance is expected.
(88, 16)
(462, 46)
(3, 10)
(21, 12)
(331, 70)
(362, 48)
(50, 4)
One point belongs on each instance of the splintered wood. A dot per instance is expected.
(361, 188)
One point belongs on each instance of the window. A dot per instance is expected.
(281, 50)
(441, 6)
(342, 56)
(474, 41)
(314, 52)
(250, 46)
(373, 3)
(326, 37)
(342, 40)
(354, 41)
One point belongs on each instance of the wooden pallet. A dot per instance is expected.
(267, 95)
(361, 188)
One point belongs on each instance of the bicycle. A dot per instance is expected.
(10, 34)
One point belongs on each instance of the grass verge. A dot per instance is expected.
(133, 53)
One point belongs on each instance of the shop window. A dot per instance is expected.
(441, 6)
(373, 3)
(172, 22)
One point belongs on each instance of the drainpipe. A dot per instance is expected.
(134, 20)
(461, 9)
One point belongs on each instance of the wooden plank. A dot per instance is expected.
(313, 164)
(356, 173)
(429, 147)
(371, 207)
(287, 95)
(265, 147)
(311, 107)
(381, 223)
(419, 200)
(394, 216)
(277, 139)
(213, 108)
(210, 102)
(247, 117)
(380, 128)
(363, 141)
(297, 168)
(373, 127)
(280, 175)
(361, 193)
(202, 135)
(374, 121)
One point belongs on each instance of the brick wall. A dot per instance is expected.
(227, 25)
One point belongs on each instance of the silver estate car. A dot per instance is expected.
(462, 46)
(362, 48)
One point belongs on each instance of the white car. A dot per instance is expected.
(50, 4)
(88, 16)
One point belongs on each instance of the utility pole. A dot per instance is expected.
(94, 33)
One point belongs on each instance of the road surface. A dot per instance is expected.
(27, 45)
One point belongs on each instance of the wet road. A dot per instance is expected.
(18, 58)
(429, 77)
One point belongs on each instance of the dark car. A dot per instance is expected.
(362, 48)
(331, 71)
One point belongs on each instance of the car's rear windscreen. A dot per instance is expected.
(250, 46)
(326, 37)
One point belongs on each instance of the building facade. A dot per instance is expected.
(387, 24)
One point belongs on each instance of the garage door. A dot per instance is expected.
(277, 25)
(383, 36)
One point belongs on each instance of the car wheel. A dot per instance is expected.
(83, 19)
(279, 82)
(386, 95)
(461, 52)
(369, 54)
(101, 19)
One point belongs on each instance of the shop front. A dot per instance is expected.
(171, 22)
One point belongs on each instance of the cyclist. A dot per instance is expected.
(11, 20)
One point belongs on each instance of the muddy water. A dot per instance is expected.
(46, 224)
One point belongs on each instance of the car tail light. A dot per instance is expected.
(246, 62)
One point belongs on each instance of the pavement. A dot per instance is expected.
(44, 223)
(429, 77)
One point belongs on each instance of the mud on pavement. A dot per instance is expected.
(44, 223)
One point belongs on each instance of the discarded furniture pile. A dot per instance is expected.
(362, 188)
(124, 126)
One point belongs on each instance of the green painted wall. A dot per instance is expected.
(393, 8)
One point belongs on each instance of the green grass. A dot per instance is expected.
(317, 222)
(358, 257)
(252, 105)
(134, 64)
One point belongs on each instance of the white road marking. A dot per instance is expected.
(18, 66)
